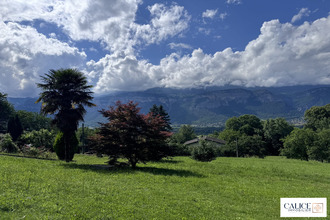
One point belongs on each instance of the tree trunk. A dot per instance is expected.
(67, 146)
(133, 162)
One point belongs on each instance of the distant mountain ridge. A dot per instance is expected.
(209, 106)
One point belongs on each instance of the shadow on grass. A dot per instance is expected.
(152, 170)
(25, 156)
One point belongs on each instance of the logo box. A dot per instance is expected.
(303, 207)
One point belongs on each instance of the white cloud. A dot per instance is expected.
(282, 55)
(236, 2)
(223, 15)
(166, 22)
(25, 54)
(304, 12)
(179, 46)
(209, 13)
(113, 24)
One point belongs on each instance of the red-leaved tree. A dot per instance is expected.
(132, 135)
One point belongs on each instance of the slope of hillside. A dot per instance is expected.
(209, 106)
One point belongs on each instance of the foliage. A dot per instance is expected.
(6, 111)
(59, 146)
(249, 146)
(296, 144)
(33, 121)
(160, 111)
(15, 128)
(84, 135)
(204, 152)
(245, 124)
(7, 144)
(41, 138)
(318, 117)
(131, 135)
(274, 131)
(177, 149)
(243, 136)
(320, 150)
(65, 93)
(185, 133)
(38, 152)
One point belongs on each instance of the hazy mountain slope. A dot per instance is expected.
(210, 106)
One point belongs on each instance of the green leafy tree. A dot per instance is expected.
(6, 111)
(274, 131)
(320, 150)
(297, 143)
(243, 136)
(131, 135)
(318, 117)
(231, 137)
(34, 121)
(7, 144)
(245, 124)
(249, 146)
(15, 128)
(185, 133)
(160, 111)
(65, 94)
(41, 138)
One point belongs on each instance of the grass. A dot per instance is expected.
(181, 188)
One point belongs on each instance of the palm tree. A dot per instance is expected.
(65, 93)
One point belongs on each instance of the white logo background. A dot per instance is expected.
(303, 207)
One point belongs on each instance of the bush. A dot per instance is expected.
(59, 146)
(7, 144)
(204, 152)
(41, 138)
(39, 152)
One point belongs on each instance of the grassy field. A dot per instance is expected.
(181, 188)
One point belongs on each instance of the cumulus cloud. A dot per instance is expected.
(166, 22)
(283, 54)
(209, 13)
(25, 54)
(113, 24)
(304, 12)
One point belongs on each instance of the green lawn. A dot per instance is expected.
(181, 188)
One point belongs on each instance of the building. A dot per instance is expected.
(194, 142)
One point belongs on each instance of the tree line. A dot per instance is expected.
(141, 137)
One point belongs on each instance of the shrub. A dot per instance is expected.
(7, 144)
(39, 152)
(203, 152)
(41, 138)
(59, 146)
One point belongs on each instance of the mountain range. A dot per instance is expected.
(210, 106)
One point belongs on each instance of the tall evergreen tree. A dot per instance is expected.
(15, 128)
(6, 111)
(160, 111)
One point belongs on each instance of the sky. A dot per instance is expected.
(134, 45)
